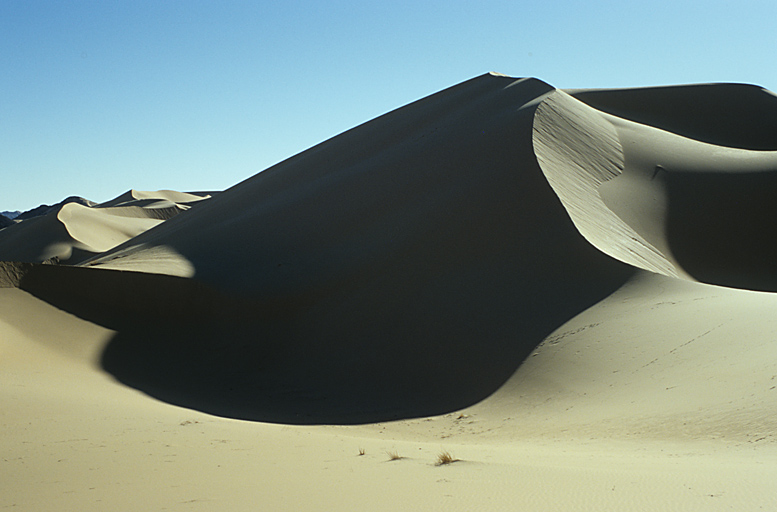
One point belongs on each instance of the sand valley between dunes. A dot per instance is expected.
(572, 293)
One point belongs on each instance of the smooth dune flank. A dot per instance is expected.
(567, 296)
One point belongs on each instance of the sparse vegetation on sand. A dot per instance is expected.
(445, 458)
(393, 455)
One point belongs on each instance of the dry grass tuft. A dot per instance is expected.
(445, 458)
(393, 455)
(361, 451)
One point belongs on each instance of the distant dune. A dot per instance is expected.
(5, 221)
(45, 208)
(76, 228)
(572, 291)
(11, 214)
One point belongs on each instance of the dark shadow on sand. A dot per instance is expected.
(351, 372)
(390, 348)
(733, 115)
(721, 227)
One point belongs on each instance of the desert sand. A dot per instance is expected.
(570, 292)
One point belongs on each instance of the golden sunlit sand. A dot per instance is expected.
(503, 296)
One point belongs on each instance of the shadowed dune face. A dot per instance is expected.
(732, 115)
(721, 227)
(404, 268)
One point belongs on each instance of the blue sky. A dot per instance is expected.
(100, 97)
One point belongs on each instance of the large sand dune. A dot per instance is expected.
(527, 277)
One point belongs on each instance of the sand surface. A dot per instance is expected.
(571, 292)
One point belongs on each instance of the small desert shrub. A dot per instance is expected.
(361, 451)
(445, 458)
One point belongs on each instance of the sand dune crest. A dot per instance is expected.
(670, 204)
(578, 151)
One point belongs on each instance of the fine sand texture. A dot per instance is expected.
(570, 293)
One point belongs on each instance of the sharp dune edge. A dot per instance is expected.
(572, 292)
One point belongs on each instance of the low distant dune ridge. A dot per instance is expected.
(45, 209)
(38, 239)
(77, 229)
(409, 266)
(135, 196)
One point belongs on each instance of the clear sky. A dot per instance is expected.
(97, 97)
